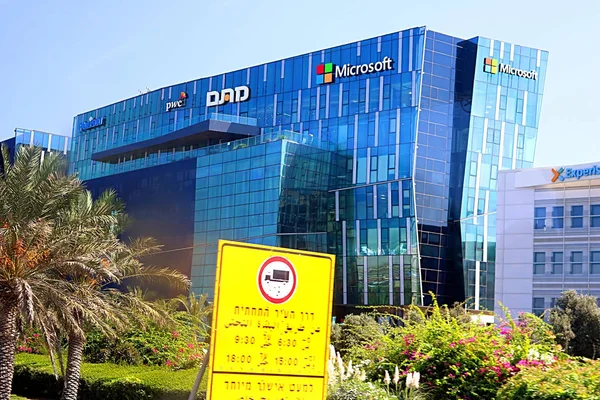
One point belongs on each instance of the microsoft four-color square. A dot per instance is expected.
(324, 73)
(490, 65)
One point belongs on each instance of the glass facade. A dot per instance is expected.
(384, 152)
(48, 142)
(504, 108)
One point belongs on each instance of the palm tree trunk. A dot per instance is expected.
(73, 373)
(8, 343)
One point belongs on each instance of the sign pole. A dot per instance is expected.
(194, 392)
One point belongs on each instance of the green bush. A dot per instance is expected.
(357, 330)
(357, 390)
(568, 380)
(176, 349)
(34, 378)
(29, 381)
(457, 358)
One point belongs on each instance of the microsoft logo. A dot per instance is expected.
(327, 73)
(490, 65)
(324, 73)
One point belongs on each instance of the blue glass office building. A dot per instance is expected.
(384, 152)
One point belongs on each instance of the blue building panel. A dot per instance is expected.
(47, 142)
(384, 152)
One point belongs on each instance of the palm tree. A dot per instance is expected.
(59, 256)
(93, 265)
(97, 301)
(32, 193)
(198, 310)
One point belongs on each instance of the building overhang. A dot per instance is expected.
(199, 134)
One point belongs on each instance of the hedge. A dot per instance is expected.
(34, 378)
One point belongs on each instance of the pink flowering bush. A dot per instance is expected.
(457, 358)
(177, 348)
(31, 342)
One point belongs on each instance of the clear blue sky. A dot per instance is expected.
(60, 58)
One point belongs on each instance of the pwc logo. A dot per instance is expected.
(236, 95)
(558, 175)
(178, 103)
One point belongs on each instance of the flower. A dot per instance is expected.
(331, 371)
(412, 380)
(340, 365)
(350, 370)
(396, 376)
(175, 334)
(363, 376)
(387, 379)
(332, 352)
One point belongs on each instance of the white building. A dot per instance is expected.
(548, 235)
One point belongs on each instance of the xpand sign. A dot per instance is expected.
(326, 73)
(574, 173)
(235, 95)
(92, 123)
(177, 103)
(492, 66)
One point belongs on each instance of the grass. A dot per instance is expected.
(160, 379)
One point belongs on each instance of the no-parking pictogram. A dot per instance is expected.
(277, 280)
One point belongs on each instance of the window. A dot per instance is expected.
(553, 302)
(558, 217)
(595, 262)
(557, 263)
(540, 218)
(538, 305)
(539, 263)
(595, 216)
(576, 262)
(576, 216)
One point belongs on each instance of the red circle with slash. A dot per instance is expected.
(277, 279)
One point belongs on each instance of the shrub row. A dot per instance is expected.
(34, 378)
(181, 348)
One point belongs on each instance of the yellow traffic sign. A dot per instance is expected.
(271, 323)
